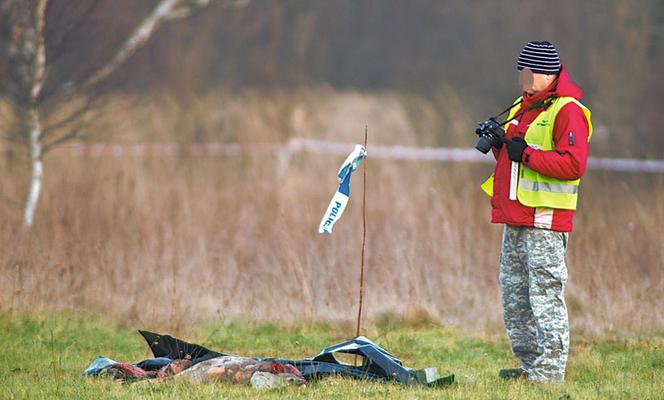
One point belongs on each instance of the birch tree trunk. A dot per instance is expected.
(38, 71)
(36, 167)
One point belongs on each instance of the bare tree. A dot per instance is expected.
(28, 64)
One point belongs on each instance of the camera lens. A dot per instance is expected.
(483, 144)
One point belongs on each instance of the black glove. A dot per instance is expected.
(497, 142)
(515, 148)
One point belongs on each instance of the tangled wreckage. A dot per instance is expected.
(177, 359)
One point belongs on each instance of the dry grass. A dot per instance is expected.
(174, 240)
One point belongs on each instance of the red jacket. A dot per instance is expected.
(567, 161)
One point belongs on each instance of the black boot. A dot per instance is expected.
(515, 373)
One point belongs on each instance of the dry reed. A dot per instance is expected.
(171, 240)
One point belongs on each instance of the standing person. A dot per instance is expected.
(534, 193)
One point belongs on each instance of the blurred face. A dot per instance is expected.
(532, 82)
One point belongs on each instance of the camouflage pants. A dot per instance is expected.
(532, 289)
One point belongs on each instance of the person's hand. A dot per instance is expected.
(515, 148)
(497, 142)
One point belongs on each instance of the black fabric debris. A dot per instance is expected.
(176, 349)
(376, 363)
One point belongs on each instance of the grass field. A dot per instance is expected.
(169, 243)
(43, 357)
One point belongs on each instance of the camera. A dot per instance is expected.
(490, 132)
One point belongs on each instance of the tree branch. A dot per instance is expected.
(137, 39)
(165, 10)
(72, 134)
(89, 104)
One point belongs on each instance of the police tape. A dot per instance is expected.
(451, 154)
(295, 145)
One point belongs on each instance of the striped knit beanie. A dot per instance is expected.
(540, 57)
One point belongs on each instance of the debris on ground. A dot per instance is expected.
(177, 359)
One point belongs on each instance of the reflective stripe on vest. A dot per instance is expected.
(537, 190)
(548, 187)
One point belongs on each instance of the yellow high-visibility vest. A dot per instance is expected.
(533, 188)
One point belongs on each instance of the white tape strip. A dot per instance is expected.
(465, 155)
(326, 147)
(514, 180)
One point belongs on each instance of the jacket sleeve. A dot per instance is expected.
(570, 137)
(495, 152)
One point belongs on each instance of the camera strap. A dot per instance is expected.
(545, 103)
(506, 110)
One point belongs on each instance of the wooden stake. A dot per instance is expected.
(364, 236)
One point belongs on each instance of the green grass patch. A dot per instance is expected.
(44, 356)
